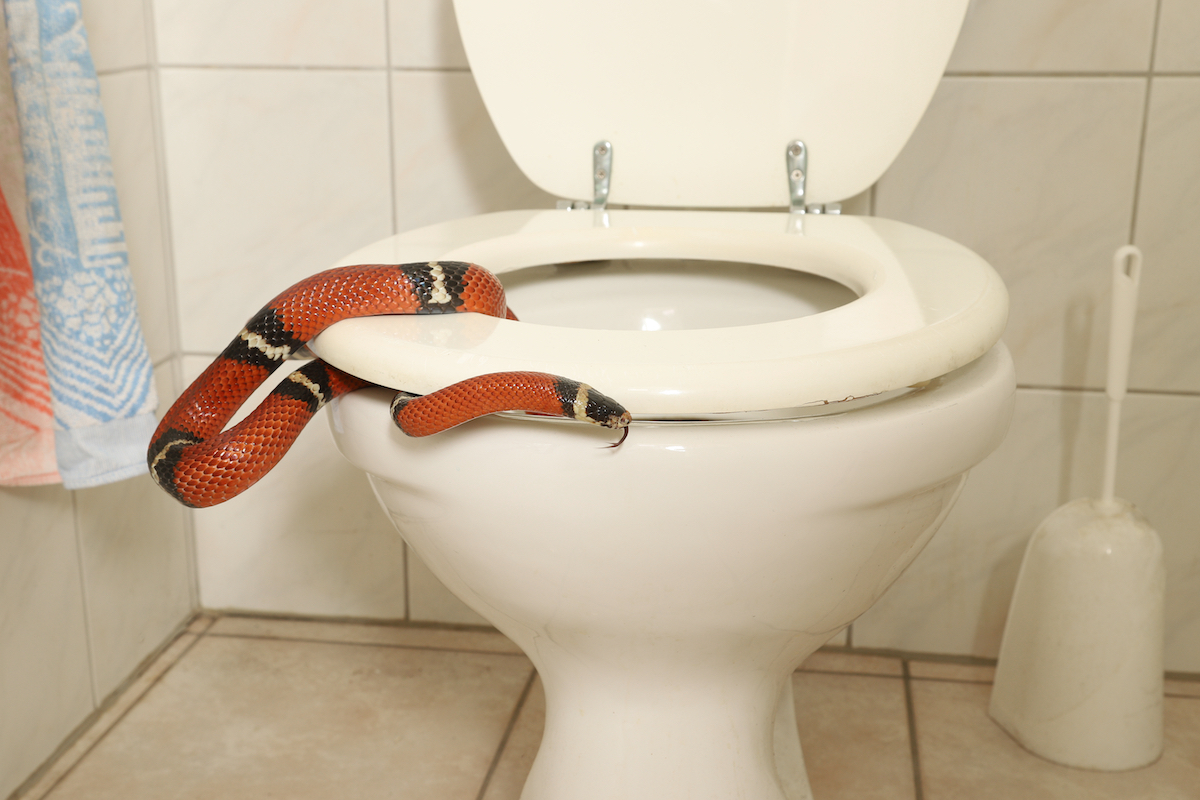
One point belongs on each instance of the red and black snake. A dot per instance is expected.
(200, 464)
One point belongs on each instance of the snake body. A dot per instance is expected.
(199, 463)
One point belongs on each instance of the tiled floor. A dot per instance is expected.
(254, 708)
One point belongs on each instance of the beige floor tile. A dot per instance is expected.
(110, 717)
(349, 633)
(253, 718)
(965, 755)
(520, 749)
(854, 732)
(945, 671)
(835, 661)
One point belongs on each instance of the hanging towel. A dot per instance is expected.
(26, 422)
(101, 385)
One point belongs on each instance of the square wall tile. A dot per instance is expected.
(424, 35)
(116, 31)
(1167, 339)
(430, 601)
(308, 33)
(1178, 36)
(309, 538)
(449, 160)
(1055, 36)
(45, 687)
(137, 568)
(1037, 176)
(954, 598)
(129, 112)
(273, 175)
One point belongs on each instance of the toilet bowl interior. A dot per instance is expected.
(667, 294)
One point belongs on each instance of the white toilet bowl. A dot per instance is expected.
(666, 589)
(808, 391)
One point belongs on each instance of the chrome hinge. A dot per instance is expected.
(602, 158)
(797, 173)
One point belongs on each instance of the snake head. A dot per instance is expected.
(600, 409)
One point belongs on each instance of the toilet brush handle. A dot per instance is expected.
(1126, 277)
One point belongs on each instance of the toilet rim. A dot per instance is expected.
(926, 306)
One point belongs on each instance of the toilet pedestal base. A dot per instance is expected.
(642, 733)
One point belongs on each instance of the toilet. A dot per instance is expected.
(809, 389)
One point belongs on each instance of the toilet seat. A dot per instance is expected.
(926, 306)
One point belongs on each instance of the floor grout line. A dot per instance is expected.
(802, 671)
(392, 645)
(910, 708)
(950, 680)
(512, 724)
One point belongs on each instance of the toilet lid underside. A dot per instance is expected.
(926, 306)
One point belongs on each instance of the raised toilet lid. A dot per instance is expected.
(700, 99)
(926, 306)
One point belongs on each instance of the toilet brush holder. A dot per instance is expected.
(1080, 675)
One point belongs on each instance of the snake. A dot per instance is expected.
(196, 460)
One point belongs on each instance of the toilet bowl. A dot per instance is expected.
(809, 391)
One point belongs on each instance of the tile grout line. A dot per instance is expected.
(89, 645)
(293, 68)
(171, 284)
(423, 647)
(1141, 153)
(391, 129)
(395, 220)
(512, 724)
(910, 708)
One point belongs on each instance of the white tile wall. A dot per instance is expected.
(449, 160)
(116, 33)
(1167, 346)
(309, 538)
(129, 112)
(431, 601)
(1037, 176)
(45, 681)
(311, 33)
(424, 35)
(954, 597)
(136, 570)
(1055, 36)
(1178, 33)
(272, 175)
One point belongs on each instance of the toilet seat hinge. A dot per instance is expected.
(602, 157)
(797, 174)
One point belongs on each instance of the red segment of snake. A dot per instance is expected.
(199, 463)
(534, 392)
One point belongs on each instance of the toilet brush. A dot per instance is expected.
(1080, 675)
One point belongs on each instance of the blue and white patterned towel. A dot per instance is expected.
(101, 382)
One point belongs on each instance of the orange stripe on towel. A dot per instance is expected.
(26, 420)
